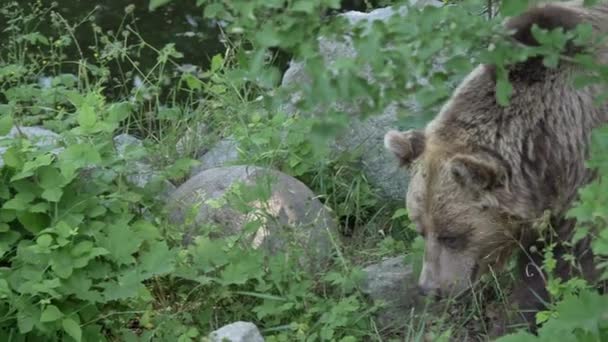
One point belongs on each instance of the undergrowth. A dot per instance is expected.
(87, 254)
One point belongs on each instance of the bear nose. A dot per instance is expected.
(428, 291)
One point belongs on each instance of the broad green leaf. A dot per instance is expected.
(121, 242)
(305, 6)
(207, 254)
(50, 314)
(32, 165)
(77, 156)
(81, 248)
(127, 286)
(402, 212)
(6, 123)
(513, 7)
(62, 263)
(20, 202)
(7, 239)
(87, 118)
(25, 322)
(72, 328)
(157, 260)
(240, 271)
(44, 240)
(267, 36)
(41, 207)
(50, 177)
(118, 112)
(52, 194)
(217, 61)
(12, 158)
(33, 222)
(79, 284)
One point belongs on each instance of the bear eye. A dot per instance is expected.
(450, 241)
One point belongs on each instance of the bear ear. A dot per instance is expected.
(547, 17)
(478, 172)
(406, 146)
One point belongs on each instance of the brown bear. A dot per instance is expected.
(482, 173)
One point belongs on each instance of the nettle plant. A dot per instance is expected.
(75, 244)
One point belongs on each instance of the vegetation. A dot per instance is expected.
(88, 255)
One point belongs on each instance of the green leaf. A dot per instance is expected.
(77, 156)
(584, 311)
(306, 6)
(50, 177)
(12, 158)
(81, 248)
(44, 240)
(518, 337)
(25, 321)
(157, 260)
(217, 62)
(20, 202)
(72, 328)
(127, 286)
(119, 112)
(62, 264)
(87, 118)
(33, 222)
(207, 254)
(154, 4)
(513, 7)
(121, 242)
(402, 212)
(50, 314)
(7, 240)
(240, 271)
(504, 89)
(6, 123)
(267, 36)
(52, 194)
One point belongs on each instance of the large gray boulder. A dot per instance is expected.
(363, 135)
(393, 283)
(224, 153)
(237, 332)
(291, 215)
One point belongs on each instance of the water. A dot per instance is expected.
(180, 22)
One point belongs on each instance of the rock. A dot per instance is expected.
(132, 149)
(224, 153)
(393, 282)
(364, 135)
(193, 141)
(294, 214)
(124, 143)
(237, 332)
(141, 171)
(41, 137)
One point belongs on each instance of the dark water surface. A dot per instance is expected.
(180, 22)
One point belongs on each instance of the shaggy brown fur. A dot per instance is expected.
(481, 174)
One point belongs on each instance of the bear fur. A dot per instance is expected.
(483, 174)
